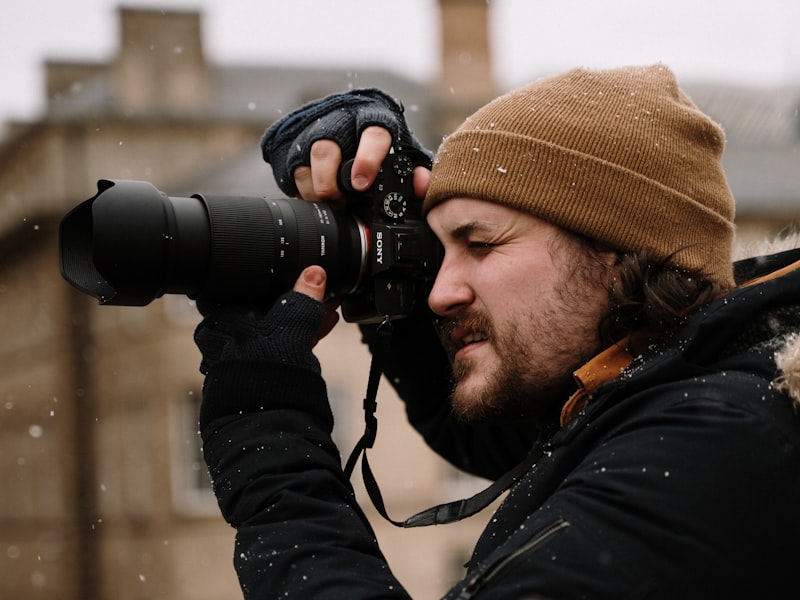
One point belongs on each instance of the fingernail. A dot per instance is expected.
(360, 182)
(315, 277)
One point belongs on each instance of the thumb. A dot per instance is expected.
(312, 282)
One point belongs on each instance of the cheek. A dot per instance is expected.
(514, 282)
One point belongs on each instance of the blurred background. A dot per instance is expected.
(103, 493)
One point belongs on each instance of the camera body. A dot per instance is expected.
(403, 253)
(131, 243)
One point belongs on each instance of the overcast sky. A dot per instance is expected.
(743, 41)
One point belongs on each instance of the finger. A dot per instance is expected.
(304, 184)
(312, 283)
(372, 149)
(326, 156)
(422, 180)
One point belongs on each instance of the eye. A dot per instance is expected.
(480, 247)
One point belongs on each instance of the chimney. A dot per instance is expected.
(466, 81)
(160, 68)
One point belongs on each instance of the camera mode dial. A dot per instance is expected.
(394, 205)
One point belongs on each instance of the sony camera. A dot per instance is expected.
(131, 243)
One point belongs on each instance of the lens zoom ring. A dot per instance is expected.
(242, 247)
(308, 238)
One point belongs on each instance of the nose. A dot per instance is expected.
(450, 291)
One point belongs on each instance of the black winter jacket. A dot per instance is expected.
(680, 478)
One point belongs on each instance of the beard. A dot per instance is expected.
(519, 388)
(536, 353)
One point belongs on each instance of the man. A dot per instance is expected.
(590, 319)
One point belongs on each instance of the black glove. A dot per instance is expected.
(285, 334)
(342, 118)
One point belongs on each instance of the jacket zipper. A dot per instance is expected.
(480, 580)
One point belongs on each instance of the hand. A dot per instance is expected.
(343, 119)
(312, 283)
(317, 182)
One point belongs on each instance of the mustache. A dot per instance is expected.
(465, 321)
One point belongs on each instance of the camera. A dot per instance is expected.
(131, 243)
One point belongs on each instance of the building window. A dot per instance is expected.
(192, 491)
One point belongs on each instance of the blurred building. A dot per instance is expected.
(104, 494)
(762, 155)
(103, 491)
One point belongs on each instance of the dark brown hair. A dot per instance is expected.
(649, 297)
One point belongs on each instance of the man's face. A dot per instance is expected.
(521, 302)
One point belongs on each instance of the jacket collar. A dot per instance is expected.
(612, 362)
(606, 366)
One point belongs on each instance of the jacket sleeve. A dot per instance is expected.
(417, 367)
(266, 424)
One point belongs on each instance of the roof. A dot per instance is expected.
(762, 155)
(762, 151)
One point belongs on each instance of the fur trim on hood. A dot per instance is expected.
(787, 357)
(788, 361)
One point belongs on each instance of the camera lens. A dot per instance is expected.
(131, 243)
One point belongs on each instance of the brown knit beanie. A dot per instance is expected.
(622, 156)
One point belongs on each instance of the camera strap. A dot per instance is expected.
(449, 512)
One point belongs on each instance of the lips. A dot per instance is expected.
(465, 338)
(459, 333)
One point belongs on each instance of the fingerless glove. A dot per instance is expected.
(284, 334)
(342, 118)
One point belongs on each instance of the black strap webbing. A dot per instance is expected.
(371, 399)
(437, 515)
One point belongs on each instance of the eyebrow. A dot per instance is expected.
(465, 230)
